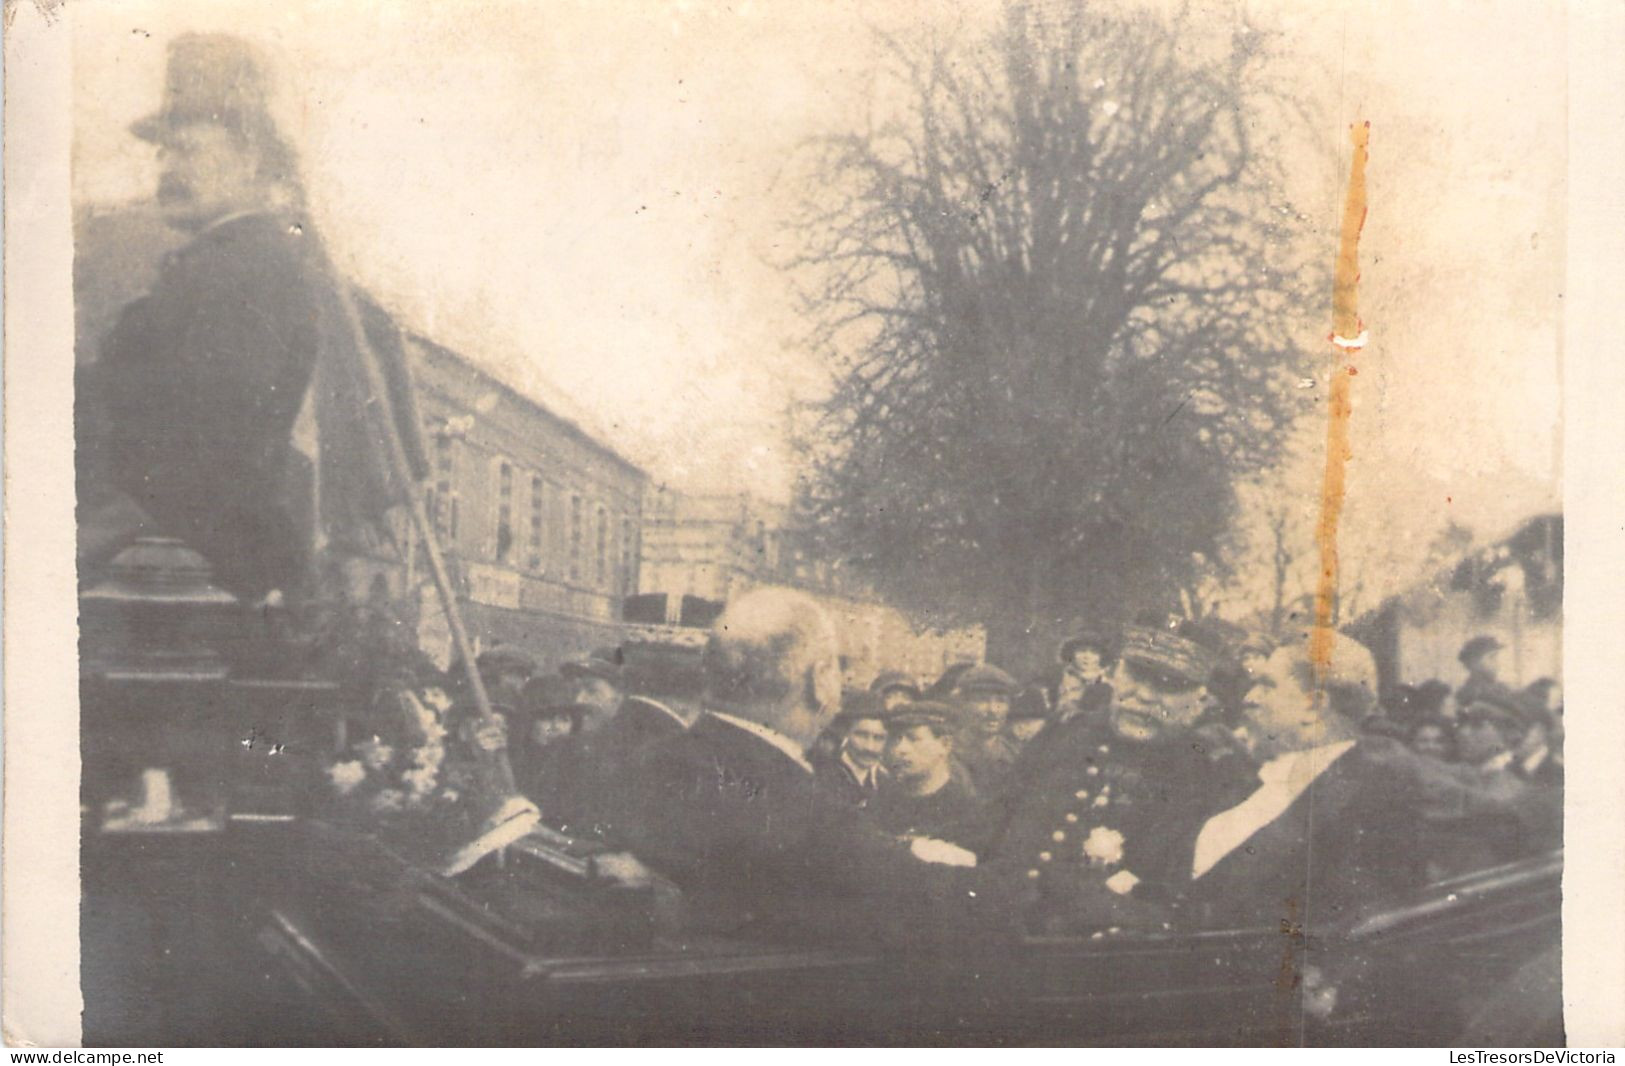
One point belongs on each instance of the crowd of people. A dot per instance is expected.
(1159, 777)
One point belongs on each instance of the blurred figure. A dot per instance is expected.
(947, 682)
(1482, 658)
(927, 792)
(1030, 713)
(852, 770)
(732, 811)
(984, 693)
(505, 670)
(1083, 689)
(599, 686)
(1487, 733)
(893, 687)
(1435, 737)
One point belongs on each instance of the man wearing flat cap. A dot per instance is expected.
(984, 694)
(927, 792)
(893, 687)
(1118, 803)
(228, 403)
(1482, 657)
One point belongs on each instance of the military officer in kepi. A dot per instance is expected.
(1118, 802)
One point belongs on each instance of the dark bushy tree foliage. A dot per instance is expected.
(1055, 289)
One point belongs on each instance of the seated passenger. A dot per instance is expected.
(1332, 811)
(927, 792)
(732, 811)
(1117, 804)
(852, 770)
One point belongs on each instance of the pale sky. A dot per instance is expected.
(588, 198)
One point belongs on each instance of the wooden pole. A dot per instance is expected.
(497, 770)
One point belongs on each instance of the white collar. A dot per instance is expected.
(867, 777)
(1281, 781)
(772, 736)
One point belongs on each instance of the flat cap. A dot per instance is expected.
(888, 680)
(1477, 648)
(985, 677)
(1100, 640)
(943, 716)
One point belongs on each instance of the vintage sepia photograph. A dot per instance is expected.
(1025, 522)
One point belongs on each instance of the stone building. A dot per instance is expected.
(541, 519)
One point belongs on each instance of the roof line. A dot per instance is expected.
(571, 427)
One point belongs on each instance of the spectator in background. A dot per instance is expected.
(893, 688)
(1482, 658)
(927, 792)
(1488, 732)
(599, 686)
(505, 670)
(852, 770)
(1030, 713)
(947, 682)
(1434, 736)
(987, 750)
(1083, 690)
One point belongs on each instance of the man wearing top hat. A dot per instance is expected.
(1117, 802)
(201, 409)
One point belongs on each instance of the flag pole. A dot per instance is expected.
(513, 815)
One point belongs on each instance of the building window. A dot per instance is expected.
(601, 564)
(538, 522)
(504, 533)
(443, 497)
(626, 584)
(575, 538)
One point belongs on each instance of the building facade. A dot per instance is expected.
(541, 521)
(718, 546)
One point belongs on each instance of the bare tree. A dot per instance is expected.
(1054, 290)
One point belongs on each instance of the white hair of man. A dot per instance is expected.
(773, 658)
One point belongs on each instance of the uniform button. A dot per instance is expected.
(1044, 856)
(1032, 875)
(1081, 793)
(1058, 836)
(1071, 817)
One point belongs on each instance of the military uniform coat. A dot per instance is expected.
(1095, 811)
